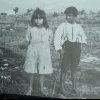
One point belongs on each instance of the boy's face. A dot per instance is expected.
(71, 18)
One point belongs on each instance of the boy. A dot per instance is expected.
(68, 38)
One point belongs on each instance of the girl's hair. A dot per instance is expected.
(38, 13)
(71, 10)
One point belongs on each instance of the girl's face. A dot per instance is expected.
(39, 21)
(70, 18)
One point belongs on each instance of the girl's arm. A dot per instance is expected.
(51, 37)
(28, 36)
(25, 44)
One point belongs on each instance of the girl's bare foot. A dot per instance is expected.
(29, 92)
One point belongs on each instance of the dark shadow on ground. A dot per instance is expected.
(18, 80)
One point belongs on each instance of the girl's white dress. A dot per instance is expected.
(38, 58)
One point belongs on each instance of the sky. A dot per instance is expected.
(49, 5)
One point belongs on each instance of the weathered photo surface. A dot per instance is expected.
(50, 48)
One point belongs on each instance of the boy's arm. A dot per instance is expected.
(83, 36)
(57, 38)
(51, 37)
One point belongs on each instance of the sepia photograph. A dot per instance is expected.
(50, 48)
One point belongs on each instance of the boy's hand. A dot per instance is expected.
(84, 45)
(61, 51)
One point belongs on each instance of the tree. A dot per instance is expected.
(29, 11)
(98, 14)
(91, 13)
(16, 10)
(82, 12)
(55, 14)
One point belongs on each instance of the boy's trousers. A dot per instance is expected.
(71, 56)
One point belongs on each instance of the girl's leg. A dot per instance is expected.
(30, 84)
(42, 82)
(42, 77)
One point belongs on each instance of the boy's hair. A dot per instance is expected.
(38, 13)
(71, 10)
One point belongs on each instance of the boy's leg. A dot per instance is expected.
(31, 77)
(62, 81)
(64, 68)
(76, 51)
(73, 79)
(65, 64)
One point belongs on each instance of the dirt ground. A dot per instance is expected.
(14, 81)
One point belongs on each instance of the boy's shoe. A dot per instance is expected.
(61, 96)
(44, 92)
(64, 92)
(74, 94)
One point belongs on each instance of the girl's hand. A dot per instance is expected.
(24, 45)
(1, 52)
(51, 37)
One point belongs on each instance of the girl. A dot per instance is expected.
(38, 58)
